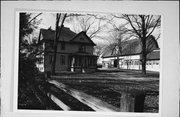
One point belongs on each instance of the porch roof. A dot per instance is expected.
(82, 54)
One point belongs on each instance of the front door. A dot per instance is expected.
(115, 63)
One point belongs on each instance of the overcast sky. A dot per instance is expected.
(74, 23)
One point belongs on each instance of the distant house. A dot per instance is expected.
(74, 51)
(130, 58)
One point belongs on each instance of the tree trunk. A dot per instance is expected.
(57, 35)
(118, 61)
(55, 44)
(144, 58)
(119, 52)
(143, 40)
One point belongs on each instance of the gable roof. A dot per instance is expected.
(131, 47)
(49, 34)
(66, 35)
(154, 55)
(82, 33)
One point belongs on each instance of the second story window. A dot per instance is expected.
(63, 47)
(50, 59)
(62, 60)
(82, 48)
(49, 46)
(52, 45)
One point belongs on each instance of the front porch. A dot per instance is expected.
(82, 62)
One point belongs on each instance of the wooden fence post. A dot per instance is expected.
(132, 102)
(126, 103)
(139, 102)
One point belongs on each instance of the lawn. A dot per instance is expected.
(108, 85)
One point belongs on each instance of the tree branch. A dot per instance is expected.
(154, 26)
(34, 18)
(133, 26)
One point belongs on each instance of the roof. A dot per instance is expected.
(82, 54)
(130, 47)
(49, 34)
(154, 55)
(133, 47)
(66, 35)
(82, 34)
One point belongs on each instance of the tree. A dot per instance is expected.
(27, 49)
(143, 26)
(98, 50)
(57, 35)
(27, 25)
(118, 34)
(89, 23)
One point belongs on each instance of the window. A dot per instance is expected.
(50, 59)
(51, 45)
(136, 62)
(63, 46)
(150, 62)
(132, 62)
(62, 60)
(157, 62)
(82, 48)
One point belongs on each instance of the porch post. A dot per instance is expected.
(132, 102)
(72, 64)
(83, 64)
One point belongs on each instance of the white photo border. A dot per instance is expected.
(80, 7)
(16, 51)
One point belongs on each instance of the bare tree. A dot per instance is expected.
(118, 34)
(57, 35)
(89, 23)
(98, 50)
(143, 26)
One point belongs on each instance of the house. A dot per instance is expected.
(130, 58)
(74, 51)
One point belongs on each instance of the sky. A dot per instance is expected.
(74, 23)
(48, 20)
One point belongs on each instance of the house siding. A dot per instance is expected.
(59, 66)
(131, 62)
(72, 48)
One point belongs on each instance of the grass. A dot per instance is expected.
(108, 85)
